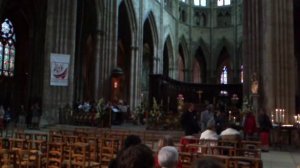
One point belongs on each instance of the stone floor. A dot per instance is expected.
(281, 159)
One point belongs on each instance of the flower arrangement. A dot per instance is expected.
(139, 113)
(155, 114)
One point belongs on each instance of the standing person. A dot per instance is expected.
(189, 121)
(265, 125)
(206, 116)
(249, 125)
(220, 121)
(36, 112)
(2, 112)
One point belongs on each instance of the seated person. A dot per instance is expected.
(137, 156)
(209, 133)
(131, 140)
(168, 157)
(209, 137)
(230, 133)
(162, 142)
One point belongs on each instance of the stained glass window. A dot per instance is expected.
(7, 49)
(224, 75)
(223, 2)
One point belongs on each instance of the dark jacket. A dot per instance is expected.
(189, 123)
(264, 123)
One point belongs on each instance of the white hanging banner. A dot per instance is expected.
(59, 69)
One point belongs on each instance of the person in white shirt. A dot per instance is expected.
(210, 133)
(208, 138)
(230, 133)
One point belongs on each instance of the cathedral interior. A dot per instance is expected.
(201, 42)
(239, 55)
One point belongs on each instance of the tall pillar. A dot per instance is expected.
(106, 47)
(60, 38)
(269, 52)
(134, 77)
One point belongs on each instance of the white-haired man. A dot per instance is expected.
(168, 157)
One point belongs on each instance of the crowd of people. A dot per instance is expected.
(213, 125)
(135, 154)
(24, 118)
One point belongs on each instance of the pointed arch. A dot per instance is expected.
(127, 33)
(181, 63)
(185, 51)
(204, 48)
(224, 43)
(199, 66)
(150, 41)
(168, 56)
(131, 16)
(151, 18)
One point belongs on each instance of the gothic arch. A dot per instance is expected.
(131, 18)
(204, 49)
(183, 43)
(168, 61)
(150, 41)
(181, 65)
(126, 42)
(224, 43)
(153, 27)
(200, 59)
(85, 50)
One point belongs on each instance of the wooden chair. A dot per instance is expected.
(55, 155)
(7, 158)
(17, 144)
(108, 148)
(80, 156)
(186, 159)
(26, 159)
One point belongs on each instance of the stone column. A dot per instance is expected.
(269, 51)
(134, 77)
(106, 47)
(60, 38)
(278, 55)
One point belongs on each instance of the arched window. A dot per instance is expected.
(200, 2)
(242, 74)
(7, 49)
(224, 76)
(223, 2)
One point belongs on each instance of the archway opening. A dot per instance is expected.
(124, 52)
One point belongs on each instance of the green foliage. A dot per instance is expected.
(100, 109)
(155, 114)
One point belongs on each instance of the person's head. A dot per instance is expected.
(210, 107)
(137, 156)
(132, 140)
(165, 141)
(207, 162)
(211, 124)
(168, 157)
(191, 107)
